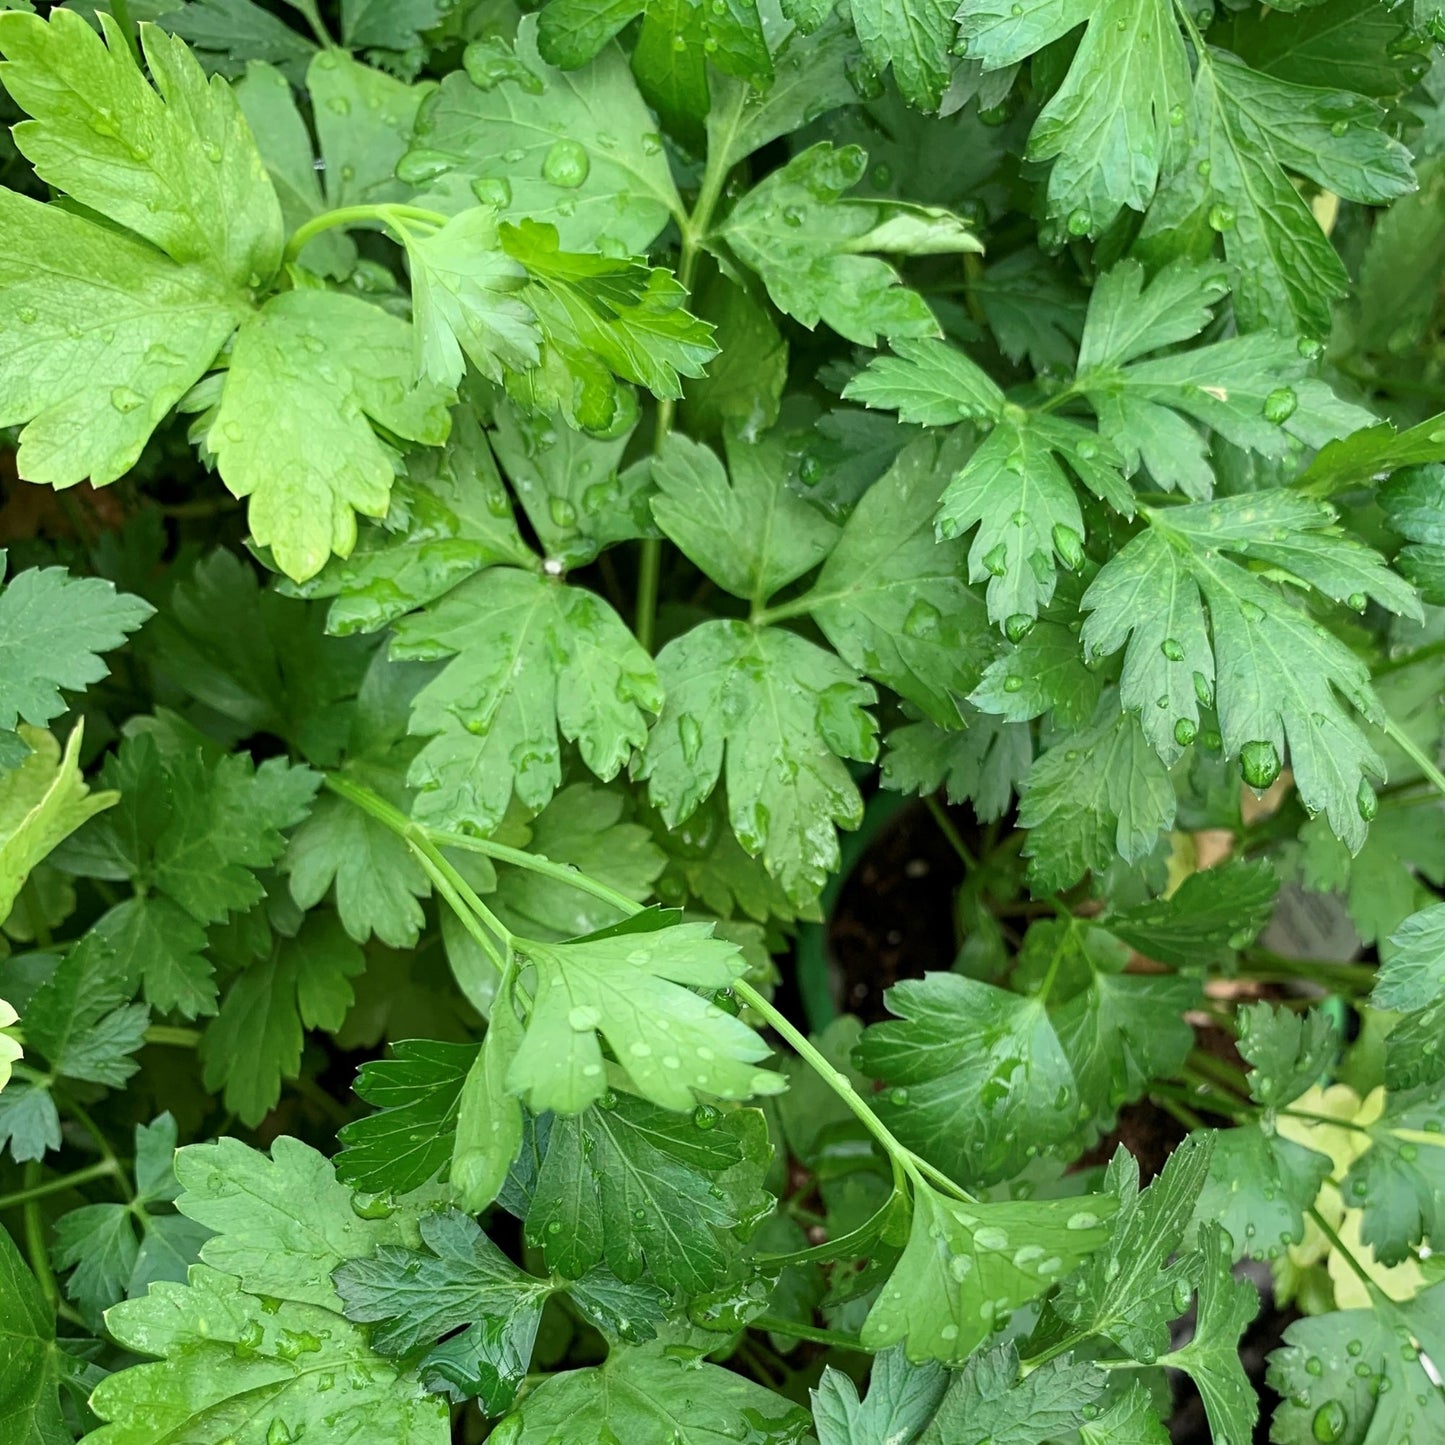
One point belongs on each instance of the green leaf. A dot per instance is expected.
(226, 34)
(583, 828)
(988, 1396)
(641, 1188)
(99, 1243)
(33, 1365)
(42, 802)
(743, 526)
(1372, 452)
(1413, 974)
(678, 39)
(902, 1399)
(620, 189)
(551, 658)
(225, 1361)
(891, 599)
(387, 25)
(1332, 42)
(81, 1018)
(1259, 1186)
(1210, 915)
(572, 486)
(811, 247)
(978, 1081)
(91, 396)
(53, 628)
(1254, 391)
(414, 1297)
(1129, 1420)
(408, 1140)
(463, 289)
(743, 388)
(651, 1393)
(1249, 129)
(1212, 1357)
(175, 164)
(1332, 1373)
(314, 462)
(914, 39)
(967, 1267)
(1096, 793)
(257, 1037)
(790, 713)
(266, 99)
(1288, 1050)
(1043, 673)
(927, 382)
(812, 65)
(1130, 1291)
(1112, 126)
(606, 312)
(1271, 671)
(635, 989)
(1119, 1031)
(450, 517)
(282, 1222)
(983, 762)
(1414, 501)
(1396, 1181)
(1013, 490)
(29, 1121)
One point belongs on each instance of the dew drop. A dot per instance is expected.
(1259, 764)
(124, 400)
(995, 560)
(1357, 600)
(418, 167)
(1221, 218)
(1013, 683)
(1017, 627)
(1069, 545)
(705, 1116)
(493, 191)
(1080, 223)
(566, 164)
(562, 512)
(1171, 649)
(372, 1206)
(923, 619)
(1366, 801)
(1280, 405)
(1185, 731)
(1082, 1220)
(583, 1017)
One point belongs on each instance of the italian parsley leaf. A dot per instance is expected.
(53, 628)
(608, 176)
(792, 712)
(967, 1267)
(459, 1286)
(642, 1189)
(813, 248)
(1269, 669)
(291, 1358)
(257, 1036)
(641, 1393)
(1114, 124)
(315, 460)
(635, 989)
(554, 658)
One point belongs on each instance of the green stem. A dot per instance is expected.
(945, 826)
(1408, 746)
(775, 1326)
(388, 215)
(694, 230)
(1028, 1366)
(1185, 1115)
(177, 1038)
(72, 1180)
(1217, 1072)
(308, 10)
(1409, 659)
(835, 1079)
(464, 901)
(35, 1238)
(1345, 1253)
(798, 607)
(1331, 975)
